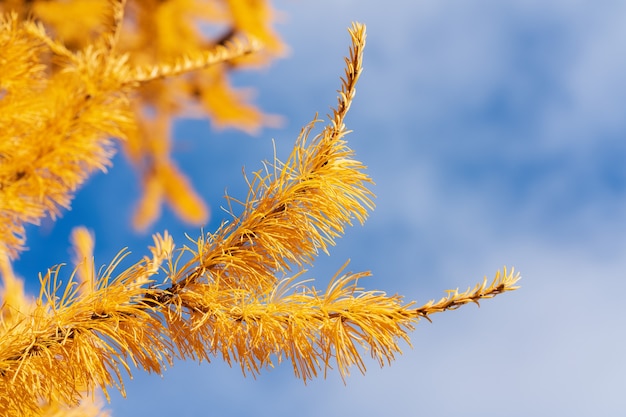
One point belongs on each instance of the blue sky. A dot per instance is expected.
(495, 133)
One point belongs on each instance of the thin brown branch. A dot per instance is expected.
(502, 283)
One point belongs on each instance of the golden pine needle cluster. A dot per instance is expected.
(157, 39)
(61, 103)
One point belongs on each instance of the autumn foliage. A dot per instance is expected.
(72, 92)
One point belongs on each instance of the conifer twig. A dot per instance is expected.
(88, 103)
(112, 39)
(56, 129)
(221, 296)
(502, 282)
(220, 53)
